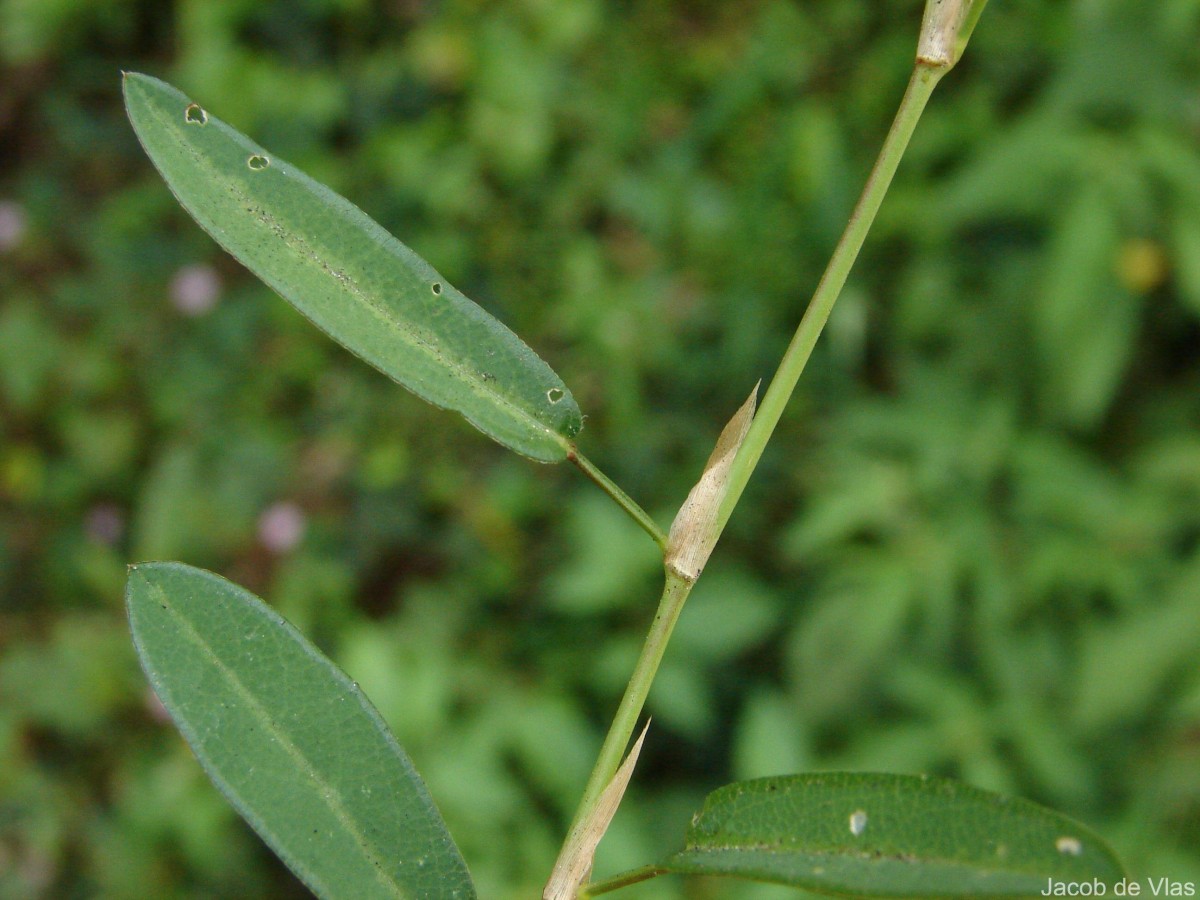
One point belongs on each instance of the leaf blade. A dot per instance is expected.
(291, 742)
(350, 277)
(888, 836)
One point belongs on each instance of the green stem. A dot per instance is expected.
(626, 502)
(675, 592)
(596, 888)
(920, 86)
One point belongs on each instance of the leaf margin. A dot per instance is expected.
(196, 742)
(540, 431)
(1069, 845)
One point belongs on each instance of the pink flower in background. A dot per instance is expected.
(155, 708)
(104, 524)
(195, 289)
(281, 526)
(12, 224)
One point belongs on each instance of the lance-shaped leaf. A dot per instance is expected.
(350, 277)
(873, 835)
(292, 743)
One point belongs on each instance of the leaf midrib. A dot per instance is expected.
(329, 793)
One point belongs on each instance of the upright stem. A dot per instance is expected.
(920, 86)
(924, 79)
(675, 592)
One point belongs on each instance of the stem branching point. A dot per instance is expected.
(946, 27)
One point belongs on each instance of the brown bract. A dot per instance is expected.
(574, 864)
(695, 530)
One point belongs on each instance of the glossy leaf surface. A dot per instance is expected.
(292, 743)
(350, 277)
(889, 836)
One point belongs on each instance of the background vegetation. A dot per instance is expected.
(973, 548)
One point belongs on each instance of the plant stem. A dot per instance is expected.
(920, 86)
(596, 888)
(924, 79)
(626, 502)
(675, 592)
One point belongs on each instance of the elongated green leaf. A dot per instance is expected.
(350, 277)
(889, 836)
(290, 740)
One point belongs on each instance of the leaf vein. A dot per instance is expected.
(329, 792)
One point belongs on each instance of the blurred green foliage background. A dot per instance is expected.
(973, 548)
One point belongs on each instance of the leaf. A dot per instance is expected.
(350, 277)
(1085, 323)
(1125, 666)
(883, 835)
(291, 742)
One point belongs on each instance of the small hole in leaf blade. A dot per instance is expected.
(258, 162)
